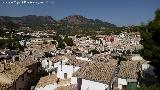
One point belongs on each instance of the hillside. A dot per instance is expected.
(29, 20)
(72, 23)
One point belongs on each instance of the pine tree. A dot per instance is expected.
(150, 35)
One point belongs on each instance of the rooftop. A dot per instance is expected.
(52, 79)
(11, 72)
(104, 58)
(97, 71)
(129, 69)
(4, 79)
(73, 61)
(49, 79)
(57, 58)
(68, 87)
(26, 61)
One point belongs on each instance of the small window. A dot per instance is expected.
(16, 58)
(124, 87)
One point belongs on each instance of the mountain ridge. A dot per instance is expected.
(29, 19)
(74, 22)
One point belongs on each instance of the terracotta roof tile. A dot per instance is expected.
(12, 72)
(68, 87)
(129, 69)
(97, 71)
(57, 58)
(49, 79)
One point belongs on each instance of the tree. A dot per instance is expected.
(53, 42)
(68, 41)
(60, 41)
(47, 54)
(150, 35)
(94, 51)
(128, 52)
(61, 45)
(151, 87)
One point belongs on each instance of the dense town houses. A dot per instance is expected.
(16, 75)
(90, 64)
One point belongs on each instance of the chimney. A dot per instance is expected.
(73, 68)
(61, 65)
(13, 59)
(1, 67)
(138, 65)
(7, 65)
(48, 63)
(5, 61)
(53, 64)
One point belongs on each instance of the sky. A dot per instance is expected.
(118, 12)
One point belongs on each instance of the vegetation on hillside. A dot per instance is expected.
(60, 41)
(151, 87)
(68, 41)
(94, 51)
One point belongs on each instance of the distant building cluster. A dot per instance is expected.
(122, 42)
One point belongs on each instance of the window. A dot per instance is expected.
(22, 77)
(124, 87)
(16, 58)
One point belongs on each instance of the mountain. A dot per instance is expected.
(74, 22)
(29, 20)
(79, 20)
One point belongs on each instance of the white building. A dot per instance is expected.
(95, 76)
